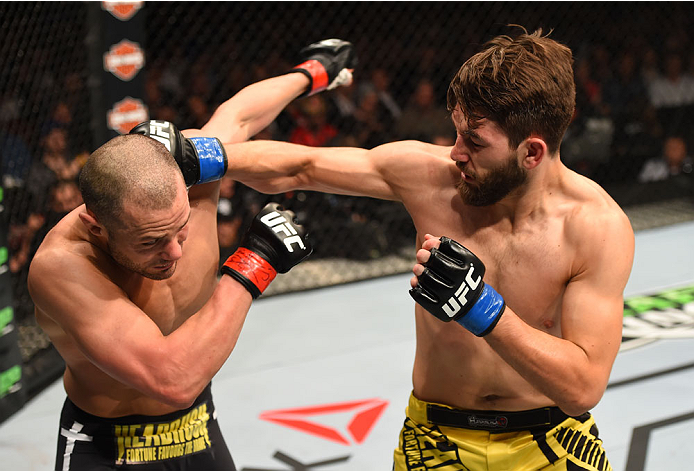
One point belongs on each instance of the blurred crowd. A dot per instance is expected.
(634, 122)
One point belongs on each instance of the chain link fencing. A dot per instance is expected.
(632, 132)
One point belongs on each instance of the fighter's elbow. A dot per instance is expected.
(580, 401)
(174, 385)
(177, 396)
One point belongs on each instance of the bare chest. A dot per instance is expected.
(530, 268)
(170, 302)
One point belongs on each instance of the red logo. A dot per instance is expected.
(365, 413)
(126, 114)
(122, 10)
(124, 60)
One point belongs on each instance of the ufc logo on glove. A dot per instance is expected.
(448, 290)
(279, 223)
(453, 307)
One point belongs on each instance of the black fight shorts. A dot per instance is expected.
(188, 440)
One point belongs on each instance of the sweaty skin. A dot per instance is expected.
(559, 250)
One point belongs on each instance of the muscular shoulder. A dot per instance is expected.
(414, 149)
(64, 264)
(415, 162)
(598, 227)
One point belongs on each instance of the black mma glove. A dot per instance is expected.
(327, 65)
(274, 243)
(201, 159)
(451, 288)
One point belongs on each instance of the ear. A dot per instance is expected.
(90, 222)
(533, 149)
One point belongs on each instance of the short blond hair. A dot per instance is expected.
(133, 168)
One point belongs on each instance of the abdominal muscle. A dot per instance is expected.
(458, 369)
(99, 394)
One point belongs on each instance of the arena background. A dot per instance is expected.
(62, 94)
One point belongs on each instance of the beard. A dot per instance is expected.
(495, 186)
(151, 273)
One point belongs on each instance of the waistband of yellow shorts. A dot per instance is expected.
(488, 420)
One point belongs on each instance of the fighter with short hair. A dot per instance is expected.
(126, 286)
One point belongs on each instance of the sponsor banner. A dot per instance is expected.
(124, 60)
(323, 436)
(117, 60)
(665, 315)
(126, 114)
(361, 417)
(122, 11)
(12, 396)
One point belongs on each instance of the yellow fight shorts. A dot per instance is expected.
(441, 438)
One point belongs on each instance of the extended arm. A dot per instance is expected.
(253, 108)
(391, 171)
(326, 64)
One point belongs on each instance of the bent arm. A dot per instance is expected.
(121, 340)
(574, 370)
(252, 109)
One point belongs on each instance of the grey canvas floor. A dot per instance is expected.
(350, 348)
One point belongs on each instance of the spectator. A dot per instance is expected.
(601, 64)
(674, 87)
(312, 127)
(587, 143)
(198, 111)
(373, 122)
(588, 92)
(380, 85)
(423, 119)
(675, 160)
(15, 159)
(635, 136)
(672, 95)
(343, 105)
(53, 166)
(626, 93)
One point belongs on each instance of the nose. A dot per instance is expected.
(172, 251)
(459, 152)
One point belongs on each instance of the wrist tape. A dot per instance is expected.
(212, 158)
(316, 73)
(485, 313)
(250, 269)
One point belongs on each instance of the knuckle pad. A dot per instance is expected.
(432, 281)
(442, 264)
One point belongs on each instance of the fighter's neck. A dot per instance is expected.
(534, 199)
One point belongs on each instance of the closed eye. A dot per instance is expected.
(468, 139)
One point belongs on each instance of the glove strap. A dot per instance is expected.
(212, 158)
(485, 313)
(250, 269)
(316, 73)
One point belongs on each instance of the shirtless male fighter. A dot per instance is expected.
(142, 322)
(527, 312)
